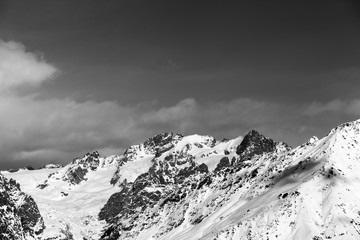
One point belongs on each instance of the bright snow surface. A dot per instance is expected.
(310, 192)
(78, 210)
(316, 196)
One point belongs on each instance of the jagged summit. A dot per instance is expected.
(195, 187)
(162, 139)
(51, 165)
(138, 159)
(312, 140)
(76, 172)
(255, 143)
(94, 154)
(90, 159)
(346, 128)
(232, 201)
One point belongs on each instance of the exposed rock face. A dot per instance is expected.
(30, 168)
(71, 197)
(150, 148)
(76, 172)
(254, 143)
(19, 214)
(265, 191)
(194, 187)
(160, 141)
(81, 166)
(174, 176)
(224, 163)
(168, 172)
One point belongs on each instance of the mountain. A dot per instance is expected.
(183, 181)
(195, 187)
(52, 165)
(70, 198)
(265, 191)
(19, 214)
(76, 172)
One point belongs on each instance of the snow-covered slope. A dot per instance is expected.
(194, 187)
(137, 158)
(52, 165)
(267, 191)
(71, 197)
(159, 201)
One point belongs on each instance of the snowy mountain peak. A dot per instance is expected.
(139, 158)
(76, 171)
(162, 139)
(51, 166)
(255, 143)
(276, 193)
(94, 154)
(347, 128)
(311, 141)
(198, 141)
(194, 187)
(151, 146)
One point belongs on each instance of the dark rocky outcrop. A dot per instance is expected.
(153, 146)
(168, 181)
(254, 144)
(30, 168)
(19, 215)
(224, 163)
(76, 171)
(135, 196)
(173, 176)
(160, 140)
(80, 166)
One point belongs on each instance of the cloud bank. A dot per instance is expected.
(37, 131)
(348, 107)
(18, 67)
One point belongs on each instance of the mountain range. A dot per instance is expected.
(193, 187)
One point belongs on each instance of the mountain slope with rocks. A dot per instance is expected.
(265, 191)
(70, 197)
(195, 187)
(19, 214)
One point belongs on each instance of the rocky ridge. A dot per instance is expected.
(75, 172)
(266, 190)
(194, 187)
(19, 214)
(175, 176)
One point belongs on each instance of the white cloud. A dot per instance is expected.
(60, 129)
(64, 125)
(18, 67)
(56, 130)
(40, 154)
(37, 130)
(222, 119)
(349, 107)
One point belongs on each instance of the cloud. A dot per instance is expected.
(28, 124)
(168, 65)
(18, 67)
(53, 130)
(40, 154)
(56, 130)
(221, 119)
(37, 130)
(340, 106)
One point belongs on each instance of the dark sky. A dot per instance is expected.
(288, 68)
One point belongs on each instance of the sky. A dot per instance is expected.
(78, 76)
